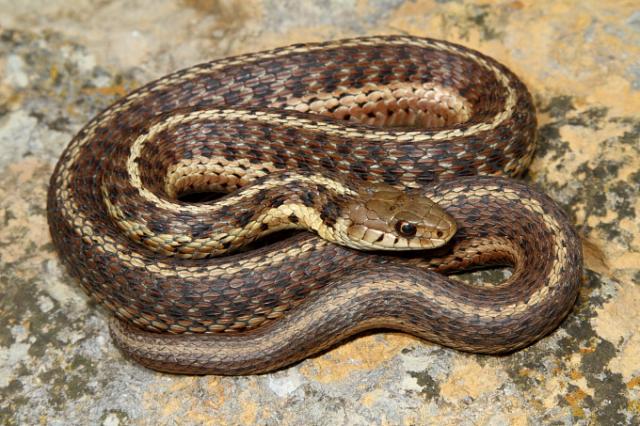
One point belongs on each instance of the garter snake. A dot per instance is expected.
(376, 143)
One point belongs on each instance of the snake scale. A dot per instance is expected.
(381, 144)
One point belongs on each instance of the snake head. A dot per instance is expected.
(390, 219)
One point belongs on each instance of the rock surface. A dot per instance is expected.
(59, 65)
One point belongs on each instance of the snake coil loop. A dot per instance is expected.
(373, 143)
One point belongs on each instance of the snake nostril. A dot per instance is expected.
(439, 234)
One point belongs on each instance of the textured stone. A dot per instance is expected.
(59, 65)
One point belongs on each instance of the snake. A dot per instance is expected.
(241, 215)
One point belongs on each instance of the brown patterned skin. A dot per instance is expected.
(249, 120)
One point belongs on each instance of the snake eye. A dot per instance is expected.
(406, 229)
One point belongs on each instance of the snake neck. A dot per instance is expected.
(280, 201)
(349, 212)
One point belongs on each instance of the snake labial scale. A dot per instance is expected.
(373, 143)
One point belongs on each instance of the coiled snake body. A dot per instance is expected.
(373, 143)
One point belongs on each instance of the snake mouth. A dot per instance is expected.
(371, 239)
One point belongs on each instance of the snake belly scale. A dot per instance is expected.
(373, 143)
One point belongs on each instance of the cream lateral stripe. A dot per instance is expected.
(305, 320)
(307, 215)
(264, 343)
(244, 115)
(106, 243)
(135, 173)
(74, 148)
(133, 167)
(537, 297)
(371, 41)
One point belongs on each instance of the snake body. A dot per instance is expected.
(298, 137)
